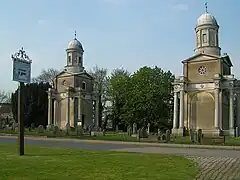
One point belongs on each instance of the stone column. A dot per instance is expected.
(49, 106)
(231, 113)
(79, 108)
(216, 120)
(56, 113)
(97, 112)
(175, 111)
(67, 107)
(238, 114)
(181, 116)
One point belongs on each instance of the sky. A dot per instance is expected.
(114, 33)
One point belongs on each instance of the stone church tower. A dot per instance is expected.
(204, 96)
(72, 100)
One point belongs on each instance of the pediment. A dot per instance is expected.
(201, 57)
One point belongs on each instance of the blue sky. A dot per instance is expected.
(114, 33)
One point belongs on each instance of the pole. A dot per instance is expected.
(20, 122)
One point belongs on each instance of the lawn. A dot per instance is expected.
(54, 163)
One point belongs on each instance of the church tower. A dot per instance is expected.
(74, 56)
(207, 40)
(72, 100)
(204, 95)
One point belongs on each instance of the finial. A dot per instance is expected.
(206, 7)
(75, 35)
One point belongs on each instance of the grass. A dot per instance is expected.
(46, 163)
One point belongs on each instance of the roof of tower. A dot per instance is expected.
(75, 44)
(207, 19)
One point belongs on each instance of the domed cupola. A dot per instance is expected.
(207, 41)
(74, 56)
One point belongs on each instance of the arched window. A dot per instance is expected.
(83, 85)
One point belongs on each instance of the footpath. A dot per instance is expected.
(14, 136)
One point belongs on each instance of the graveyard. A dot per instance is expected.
(132, 135)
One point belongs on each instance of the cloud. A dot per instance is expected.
(181, 7)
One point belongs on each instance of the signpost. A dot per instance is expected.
(21, 74)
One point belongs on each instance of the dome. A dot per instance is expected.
(74, 44)
(207, 19)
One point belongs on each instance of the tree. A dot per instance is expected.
(46, 76)
(150, 97)
(119, 86)
(34, 103)
(100, 86)
(143, 97)
(5, 97)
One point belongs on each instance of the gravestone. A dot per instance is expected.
(56, 130)
(134, 128)
(129, 130)
(237, 132)
(40, 129)
(79, 130)
(67, 129)
(143, 133)
(16, 129)
(14, 125)
(168, 135)
(116, 128)
(50, 127)
(192, 136)
(32, 126)
(199, 136)
(148, 128)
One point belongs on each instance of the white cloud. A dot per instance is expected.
(181, 7)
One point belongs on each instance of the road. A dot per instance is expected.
(214, 163)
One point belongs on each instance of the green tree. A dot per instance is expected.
(119, 86)
(100, 86)
(34, 103)
(149, 98)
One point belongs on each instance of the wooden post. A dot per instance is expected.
(20, 122)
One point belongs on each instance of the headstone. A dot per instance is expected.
(159, 132)
(50, 127)
(148, 128)
(32, 126)
(192, 135)
(168, 134)
(117, 128)
(13, 126)
(184, 131)
(237, 132)
(134, 128)
(79, 130)
(90, 130)
(143, 133)
(67, 129)
(16, 129)
(40, 129)
(129, 130)
(199, 136)
(56, 130)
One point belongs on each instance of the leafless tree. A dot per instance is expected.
(46, 76)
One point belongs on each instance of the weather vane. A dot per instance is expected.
(206, 6)
(75, 35)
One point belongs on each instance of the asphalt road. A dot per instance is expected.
(126, 147)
